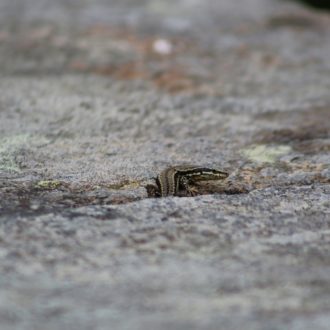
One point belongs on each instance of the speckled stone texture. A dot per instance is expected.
(97, 97)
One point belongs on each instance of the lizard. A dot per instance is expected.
(177, 178)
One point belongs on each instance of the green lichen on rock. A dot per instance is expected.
(10, 146)
(264, 153)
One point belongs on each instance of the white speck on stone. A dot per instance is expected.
(162, 46)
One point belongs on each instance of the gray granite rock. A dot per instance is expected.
(97, 98)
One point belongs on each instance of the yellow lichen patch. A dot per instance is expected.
(48, 184)
(264, 153)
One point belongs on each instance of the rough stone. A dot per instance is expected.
(93, 107)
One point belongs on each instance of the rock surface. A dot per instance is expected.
(97, 98)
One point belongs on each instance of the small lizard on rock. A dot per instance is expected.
(176, 179)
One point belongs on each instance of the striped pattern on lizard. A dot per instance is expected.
(177, 178)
